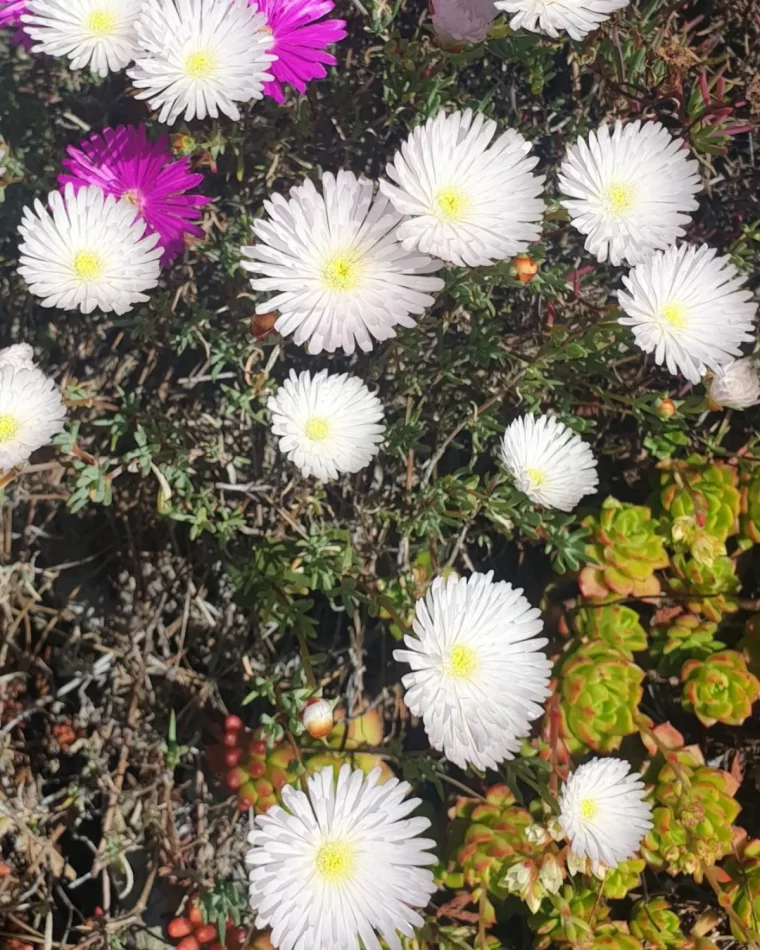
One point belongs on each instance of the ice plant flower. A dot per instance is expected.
(341, 276)
(468, 199)
(87, 252)
(95, 33)
(629, 190)
(199, 58)
(10, 15)
(123, 162)
(687, 306)
(31, 408)
(460, 23)
(603, 812)
(577, 18)
(478, 674)
(340, 865)
(301, 36)
(549, 462)
(327, 425)
(736, 385)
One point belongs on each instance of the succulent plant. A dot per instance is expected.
(694, 809)
(749, 522)
(702, 505)
(614, 936)
(657, 924)
(600, 692)
(624, 878)
(348, 735)
(708, 587)
(628, 549)
(720, 688)
(686, 637)
(750, 643)
(743, 868)
(564, 918)
(617, 626)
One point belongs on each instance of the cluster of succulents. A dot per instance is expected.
(708, 588)
(701, 502)
(565, 919)
(624, 551)
(657, 924)
(600, 691)
(719, 688)
(252, 769)
(743, 886)
(749, 521)
(694, 810)
(682, 638)
(614, 624)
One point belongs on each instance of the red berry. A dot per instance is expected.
(188, 943)
(195, 914)
(259, 747)
(230, 739)
(206, 933)
(256, 768)
(179, 927)
(233, 756)
(247, 796)
(233, 724)
(235, 778)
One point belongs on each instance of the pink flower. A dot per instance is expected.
(10, 15)
(123, 162)
(299, 42)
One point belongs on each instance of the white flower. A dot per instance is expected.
(95, 33)
(327, 424)
(20, 356)
(549, 462)
(603, 812)
(687, 307)
(629, 190)
(317, 718)
(341, 865)
(577, 18)
(201, 57)
(736, 385)
(478, 677)
(467, 202)
(340, 275)
(88, 252)
(31, 412)
(459, 23)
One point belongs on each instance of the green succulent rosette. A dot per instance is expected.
(615, 625)
(720, 688)
(687, 637)
(743, 868)
(702, 505)
(749, 521)
(657, 924)
(709, 588)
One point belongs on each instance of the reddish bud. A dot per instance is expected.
(666, 408)
(233, 724)
(235, 778)
(256, 768)
(525, 268)
(195, 914)
(179, 927)
(317, 718)
(188, 943)
(233, 756)
(230, 739)
(206, 933)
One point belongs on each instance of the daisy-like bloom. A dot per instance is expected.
(460, 23)
(341, 865)
(87, 252)
(95, 33)
(200, 57)
(603, 812)
(342, 277)
(31, 409)
(687, 307)
(327, 424)
(19, 356)
(577, 18)
(301, 36)
(478, 674)
(549, 462)
(737, 385)
(468, 199)
(629, 190)
(123, 162)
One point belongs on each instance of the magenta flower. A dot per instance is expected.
(10, 15)
(123, 162)
(299, 42)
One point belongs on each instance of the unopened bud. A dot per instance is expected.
(550, 874)
(317, 718)
(519, 877)
(555, 829)
(575, 863)
(666, 408)
(525, 268)
(537, 834)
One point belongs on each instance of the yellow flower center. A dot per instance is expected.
(536, 477)
(619, 198)
(87, 266)
(452, 204)
(9, 426)
(674, 314)
(317, 429)
(341, 273)
(132, 197)
(589, 807)
(335, 861)
(101, 22)
(200, 65)
(463, 662)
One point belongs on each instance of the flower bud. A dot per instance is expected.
(575, 863)
(736, 386)
(537, 834)
(519, 877)
(461, 23)
(317, 718)
(555, 829)
(525, 268)
(550, 874)
(666, 408)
